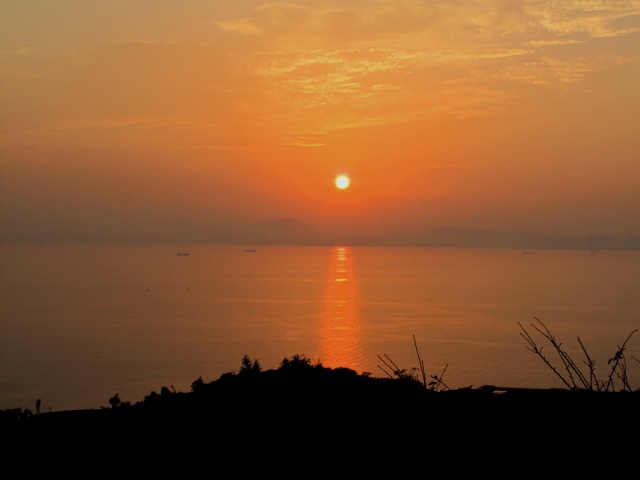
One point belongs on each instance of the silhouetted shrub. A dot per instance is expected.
(197, 385)
(298, 362)
(14, 414)
(152, 397)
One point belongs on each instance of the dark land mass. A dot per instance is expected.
(310, 410)
(289, 231)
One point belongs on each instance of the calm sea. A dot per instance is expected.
(80, 323)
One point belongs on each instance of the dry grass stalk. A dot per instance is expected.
(398, 372)
(575, 378)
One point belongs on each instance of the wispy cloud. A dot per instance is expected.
(369, 55)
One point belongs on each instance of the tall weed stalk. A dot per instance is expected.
(574, 376)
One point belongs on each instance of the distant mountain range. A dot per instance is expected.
(288, 231)
(471, 237)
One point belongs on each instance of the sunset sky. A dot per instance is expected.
(123, 117)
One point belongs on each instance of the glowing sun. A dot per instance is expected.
(342, 182)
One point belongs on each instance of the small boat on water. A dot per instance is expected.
(183, 254)
(250, 250)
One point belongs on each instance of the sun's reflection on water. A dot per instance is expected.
(341, 328)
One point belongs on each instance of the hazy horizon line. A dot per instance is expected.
(288, 231)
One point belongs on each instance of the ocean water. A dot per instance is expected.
(80, 323)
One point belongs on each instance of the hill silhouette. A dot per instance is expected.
(291, 231)
(305, 420)
(300, 397)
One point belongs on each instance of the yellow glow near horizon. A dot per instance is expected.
(342, 182)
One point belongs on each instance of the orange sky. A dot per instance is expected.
(127, 116)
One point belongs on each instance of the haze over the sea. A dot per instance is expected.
(287, 231)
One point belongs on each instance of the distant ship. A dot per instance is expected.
(183, 254)
(250, 250)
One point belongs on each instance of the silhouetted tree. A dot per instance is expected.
(114, 401)
(249, 367)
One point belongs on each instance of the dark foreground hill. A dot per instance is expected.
(299, 398)
(308, 421)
